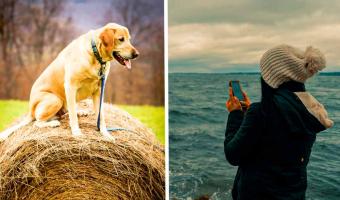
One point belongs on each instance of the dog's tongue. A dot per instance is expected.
(127, 64)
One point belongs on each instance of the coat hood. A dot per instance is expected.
(299, 109)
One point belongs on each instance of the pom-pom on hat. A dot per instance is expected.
(284, 63)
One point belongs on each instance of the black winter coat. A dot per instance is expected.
(271, 143)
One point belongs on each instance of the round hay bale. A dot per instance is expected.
(49, 163)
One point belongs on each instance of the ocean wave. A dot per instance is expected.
(197, 118)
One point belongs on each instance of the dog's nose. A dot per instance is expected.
(135, 54)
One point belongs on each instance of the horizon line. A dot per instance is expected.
(248, 72)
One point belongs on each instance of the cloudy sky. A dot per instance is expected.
(231, 36)
(86, 14)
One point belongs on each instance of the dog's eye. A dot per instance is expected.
(121, 39)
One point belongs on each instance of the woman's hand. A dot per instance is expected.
(246, 103)
(234, 104)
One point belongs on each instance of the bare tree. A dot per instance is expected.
(140, 16)
(145, 83)
(30, 38)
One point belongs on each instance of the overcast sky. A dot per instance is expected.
(86, 14)
(231, 36)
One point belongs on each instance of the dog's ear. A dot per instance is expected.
(107, 37)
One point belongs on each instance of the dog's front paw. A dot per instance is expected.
(2, 138)
(107, 135)
(76, 132)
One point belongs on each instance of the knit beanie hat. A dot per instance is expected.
(284, 63)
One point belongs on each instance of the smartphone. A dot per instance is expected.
(237, 91)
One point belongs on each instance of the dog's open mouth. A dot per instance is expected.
(121, 60)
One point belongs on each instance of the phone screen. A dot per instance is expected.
(237, 90)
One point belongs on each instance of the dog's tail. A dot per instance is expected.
(6, 133)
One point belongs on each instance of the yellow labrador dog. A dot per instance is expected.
(74, 76)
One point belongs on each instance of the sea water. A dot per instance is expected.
(197, 116)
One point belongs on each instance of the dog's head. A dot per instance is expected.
(116, 41)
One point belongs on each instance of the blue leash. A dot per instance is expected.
(102, 87)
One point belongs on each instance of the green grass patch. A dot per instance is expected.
(152, 116)
(10, 110)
